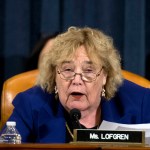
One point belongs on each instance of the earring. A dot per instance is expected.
(56, 93)
(103, 92)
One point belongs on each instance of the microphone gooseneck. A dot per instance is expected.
(75, 115)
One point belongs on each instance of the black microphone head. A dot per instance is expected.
(75, 114)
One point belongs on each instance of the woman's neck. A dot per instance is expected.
(91, 119)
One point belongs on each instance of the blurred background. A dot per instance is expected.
(24, 22)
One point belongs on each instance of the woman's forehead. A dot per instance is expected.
(73, 63)
(89, 56)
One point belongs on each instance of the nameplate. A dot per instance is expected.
(107, 136)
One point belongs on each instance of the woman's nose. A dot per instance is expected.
(77, 78)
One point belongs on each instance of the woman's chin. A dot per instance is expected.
(80, 107)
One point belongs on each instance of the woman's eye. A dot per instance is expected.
(88, 70)
(68, 69)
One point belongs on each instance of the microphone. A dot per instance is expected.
(75, 115)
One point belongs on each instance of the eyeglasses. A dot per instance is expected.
(85, 76)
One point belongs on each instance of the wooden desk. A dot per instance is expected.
(76, 146)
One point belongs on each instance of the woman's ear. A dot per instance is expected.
(104, 77)
(56, 90)
(104, 80)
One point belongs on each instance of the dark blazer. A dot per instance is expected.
(40, 118)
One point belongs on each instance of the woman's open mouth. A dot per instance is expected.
(77, 95)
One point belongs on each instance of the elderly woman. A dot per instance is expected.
(81, 70)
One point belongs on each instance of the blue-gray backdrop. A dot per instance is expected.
(22, 21)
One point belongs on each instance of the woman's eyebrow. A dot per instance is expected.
(67, 61)
(88, 62)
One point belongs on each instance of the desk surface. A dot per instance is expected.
(76, 146)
